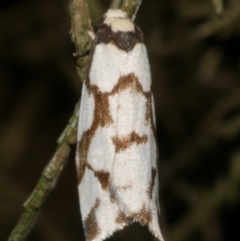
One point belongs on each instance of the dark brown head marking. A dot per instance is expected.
(116, 28)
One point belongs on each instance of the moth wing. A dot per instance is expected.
(100, 214)
(135, 178)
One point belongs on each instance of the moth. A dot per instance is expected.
(116, 152)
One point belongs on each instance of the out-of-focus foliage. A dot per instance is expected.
(195, 61)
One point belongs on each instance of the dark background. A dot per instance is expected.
(195, 61)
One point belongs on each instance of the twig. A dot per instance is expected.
(80, 27)
(218, 7)
(131, 7)
(115, 4)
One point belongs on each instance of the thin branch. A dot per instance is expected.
(218, 7)
(115, 4)
(131, 7)
(81, 25)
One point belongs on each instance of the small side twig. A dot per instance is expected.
(115, 4)
(218, 7)
(131, 7)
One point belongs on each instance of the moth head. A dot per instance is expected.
(117, 28)
(118, 21)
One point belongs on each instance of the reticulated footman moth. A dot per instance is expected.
(117, 153)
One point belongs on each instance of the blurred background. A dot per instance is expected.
(195, 62)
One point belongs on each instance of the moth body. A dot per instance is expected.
(117, 152)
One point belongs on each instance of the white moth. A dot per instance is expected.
(117, 153)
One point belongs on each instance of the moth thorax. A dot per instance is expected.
(118, 21)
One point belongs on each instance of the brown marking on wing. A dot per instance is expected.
(101, 175)
(151, 117)
(121, 218)
(126, 82)
(144, 216)
(103, 178)
(90, 223)
(102, 117)
(123, 143)
(152, 182)
(149, 113)
(112, 193)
